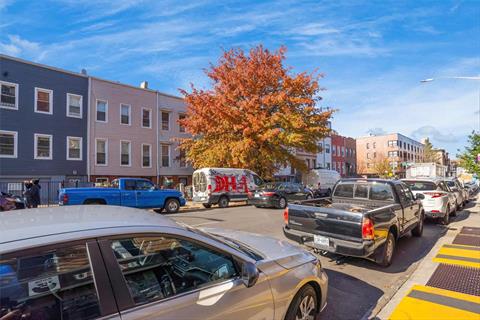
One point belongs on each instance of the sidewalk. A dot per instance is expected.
(446, 285)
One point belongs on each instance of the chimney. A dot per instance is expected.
(84, 72)
(144, 85)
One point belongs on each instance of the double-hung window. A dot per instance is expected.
(101, 152)
(8, 95)
(74, 148)
(102, 111)
(125, 114)
(146, 118)
(74, 105)
(165, 155)
(125, 153)
(43, 101)
(182, 159)
(146, 155)
(165, 120)
(8, 144)
(43, 146)
(181, 128)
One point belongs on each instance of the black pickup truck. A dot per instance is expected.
(363, 218)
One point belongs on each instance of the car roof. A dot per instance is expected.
(17, 225)
(369, 180)
(426, 179)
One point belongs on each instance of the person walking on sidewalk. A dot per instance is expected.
(35, 193)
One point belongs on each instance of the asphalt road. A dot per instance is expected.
(357, 288)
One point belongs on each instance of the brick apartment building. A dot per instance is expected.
(400, 151)
(344, 158)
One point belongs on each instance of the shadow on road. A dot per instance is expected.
(345, 290)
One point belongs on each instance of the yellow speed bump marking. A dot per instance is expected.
(433, 303)
(466, 256)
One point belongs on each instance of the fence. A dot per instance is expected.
(48, 191)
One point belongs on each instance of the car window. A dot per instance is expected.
(421, 185)
(257, 180)
(361, 191)
(344, 190)
(407, 193)
(282, 186)
(129, 184)
(50, 284)
(296, 187)
(155, 268)
(144, 185)
(381, 192)
(115, 184)
(443, 187)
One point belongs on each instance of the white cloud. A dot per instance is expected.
(16, 46)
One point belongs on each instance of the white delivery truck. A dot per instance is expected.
(426, 170)
(223, 185)
(327, 179)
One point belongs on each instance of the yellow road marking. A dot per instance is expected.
(458, 256)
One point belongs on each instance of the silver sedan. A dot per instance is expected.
(90, 262)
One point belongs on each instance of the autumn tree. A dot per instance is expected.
(255, 115)
(383, 168)
(469, 157)
(429, 153)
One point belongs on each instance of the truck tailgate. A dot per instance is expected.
(338, 220)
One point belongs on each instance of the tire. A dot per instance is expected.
(329, 192)
(172, 206)
(207, 205)
(387, 251)
(282, 203)
(305, 303)
(94, 201)
(309, 196)
(418, 230)
(159, 210)
(453, 213)
(223, 202)
(446, 219)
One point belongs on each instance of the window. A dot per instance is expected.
(374, 154)
(8, 144)
(125, 148)
(74, 148)
(368, 145)
(421, 185)
(328, 165)
(334, 150)
(146, 118)
(381, 192)
(9, 95)
(165, 120)
(102, 111)
(327, 148)
(368, 155)
(43, 101)
(100, 182)
(125, 112)
(308, 163)
(374, 145)
(146, 155)
(43, 146)
(144, 185)
(49, 284)
(157, 268)
(344, 190)
(101, 152)
(74, 105)
(165, 155)
(180, 127)
(182, 159)
(361, 191)
(314, 163)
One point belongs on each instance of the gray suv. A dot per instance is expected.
(90, 262)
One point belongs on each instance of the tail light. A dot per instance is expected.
(209, 189)
(435, 211)
(268, 194)
(434, 194)
(285, 216)
(65, 198)
(368, 232)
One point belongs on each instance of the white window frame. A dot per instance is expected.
(161, 119)
(129, 153)
(81, 106)
(16, 95)
(149, 154)
(169, 155)
(179, 125)
(50, 100)
(150, 118)
(15, 144)
(81, 148)
(106, 110)
(41, 135)
(129, 114)
(106, 152)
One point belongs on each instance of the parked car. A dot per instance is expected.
(457, 190)
(278, 194)
(472, 189)
(10, 201)
(127, 192)
(89, 262)
(325, 177)
(223, 185)
(439, 202)
(363, 218)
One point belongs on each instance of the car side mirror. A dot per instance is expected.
(249, 274)
(420, 196)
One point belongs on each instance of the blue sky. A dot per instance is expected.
(373, 53)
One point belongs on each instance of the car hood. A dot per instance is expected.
(282, 252)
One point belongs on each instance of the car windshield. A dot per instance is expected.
(451, 184)
(421, 185)
(270, 185)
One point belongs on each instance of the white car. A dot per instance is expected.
(439, 201)
(458, 191)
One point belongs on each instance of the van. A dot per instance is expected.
(326, 178)
(223, 185)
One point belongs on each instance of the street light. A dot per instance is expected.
(462, 78)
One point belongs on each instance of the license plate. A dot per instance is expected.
(321, 241)
(257, 195)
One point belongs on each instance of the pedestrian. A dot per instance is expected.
(28, 194)
(35, 193)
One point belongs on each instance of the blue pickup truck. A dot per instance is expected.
(128, 192)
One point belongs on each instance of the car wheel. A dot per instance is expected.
(418, 230)
(282, 203)
(159, 210)
(172, 206)
(207, 205)
(454, 212)
(388, 250)
(309, 196)
(304, 306)
(446, 219)
(223, 202)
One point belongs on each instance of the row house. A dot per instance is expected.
(399, 150)
(344, 158)
(43, 122)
